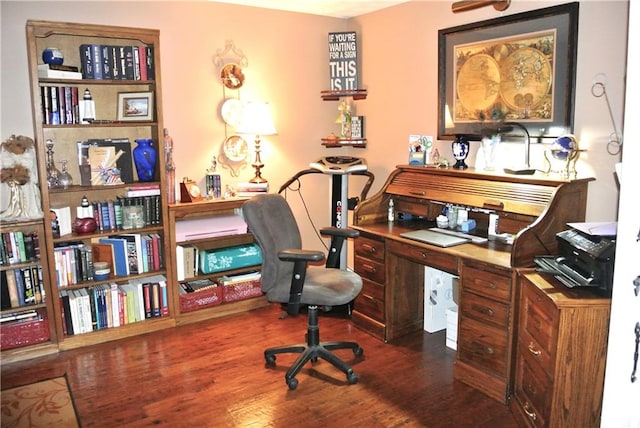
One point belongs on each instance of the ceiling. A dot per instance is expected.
(333, 8)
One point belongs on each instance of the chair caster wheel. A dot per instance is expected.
(270, 359)
(358, 352)
(292, 383)
(352, 378)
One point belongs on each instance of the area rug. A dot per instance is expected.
(47, 403)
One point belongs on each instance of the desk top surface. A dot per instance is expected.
(492, 252)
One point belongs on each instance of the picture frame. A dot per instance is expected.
(518, 68)
(135, 106)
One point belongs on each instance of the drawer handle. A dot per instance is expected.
(417, 193)
(371, 298)
(369, 248)
(369, 268)
(492, 286)
(483, 310)
(533, 350)
(490, 350)
(531, 414)
(424, 255)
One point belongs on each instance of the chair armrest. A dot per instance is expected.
(300, 259)
(341, 232)
(338, 236)
(301, 255)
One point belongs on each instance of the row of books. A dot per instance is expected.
(21, 287)
(186, 261)
(19, 247)
(122, 213)
(117, 62)
(125, 254)
(112, 305)
(60, 105)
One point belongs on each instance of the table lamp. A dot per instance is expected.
(257, 120)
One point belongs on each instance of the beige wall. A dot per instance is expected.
(287, 54)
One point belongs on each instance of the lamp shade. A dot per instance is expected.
(256, 119)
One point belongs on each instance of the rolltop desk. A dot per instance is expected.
(532, 209)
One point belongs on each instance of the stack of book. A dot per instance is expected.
(52, 71)
(252, 189)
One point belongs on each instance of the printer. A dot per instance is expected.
(584, 260)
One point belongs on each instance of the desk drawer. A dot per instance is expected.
(369, 248)
(424, 256)
(532, 388)
(483, 346)
(485, 310)
(370, 301)
(486, 283)
(539, 326)
(369, 269)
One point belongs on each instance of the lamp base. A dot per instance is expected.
(258, 180)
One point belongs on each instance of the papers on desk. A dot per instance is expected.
(596, 228)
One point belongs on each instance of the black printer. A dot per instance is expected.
(585, 261)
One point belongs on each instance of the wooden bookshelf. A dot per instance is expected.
(69, 37)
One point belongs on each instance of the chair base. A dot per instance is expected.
(313, 350)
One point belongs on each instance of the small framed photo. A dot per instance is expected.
(357, 126)
(135, 106)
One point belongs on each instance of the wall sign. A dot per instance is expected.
(343, 61)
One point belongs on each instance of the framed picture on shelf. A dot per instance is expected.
(357, 126)
(135, 106)
(518, 68)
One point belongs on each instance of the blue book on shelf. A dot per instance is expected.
(121, 260)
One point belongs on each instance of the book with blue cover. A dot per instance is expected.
(120, 255)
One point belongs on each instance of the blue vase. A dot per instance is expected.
(460, 148)
(145, 157)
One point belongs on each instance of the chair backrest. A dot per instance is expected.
(274, 227)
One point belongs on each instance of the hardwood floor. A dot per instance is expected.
(212, 374)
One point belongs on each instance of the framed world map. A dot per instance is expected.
(518, 68)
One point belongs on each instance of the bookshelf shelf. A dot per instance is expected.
(71, 39)
(208, 209)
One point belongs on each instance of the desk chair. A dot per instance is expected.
(287, 279)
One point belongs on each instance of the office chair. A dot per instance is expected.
(287, 278)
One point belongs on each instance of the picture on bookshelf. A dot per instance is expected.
(135, 106)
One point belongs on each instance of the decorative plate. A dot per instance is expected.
(235, 148)
(232, 112)
(232, 76)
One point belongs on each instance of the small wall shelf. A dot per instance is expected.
(356, 94)
(360, 143)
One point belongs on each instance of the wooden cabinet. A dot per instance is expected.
(485, 328)
(110, 124)
(189, 307)
(27, 309)
(561, 354)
